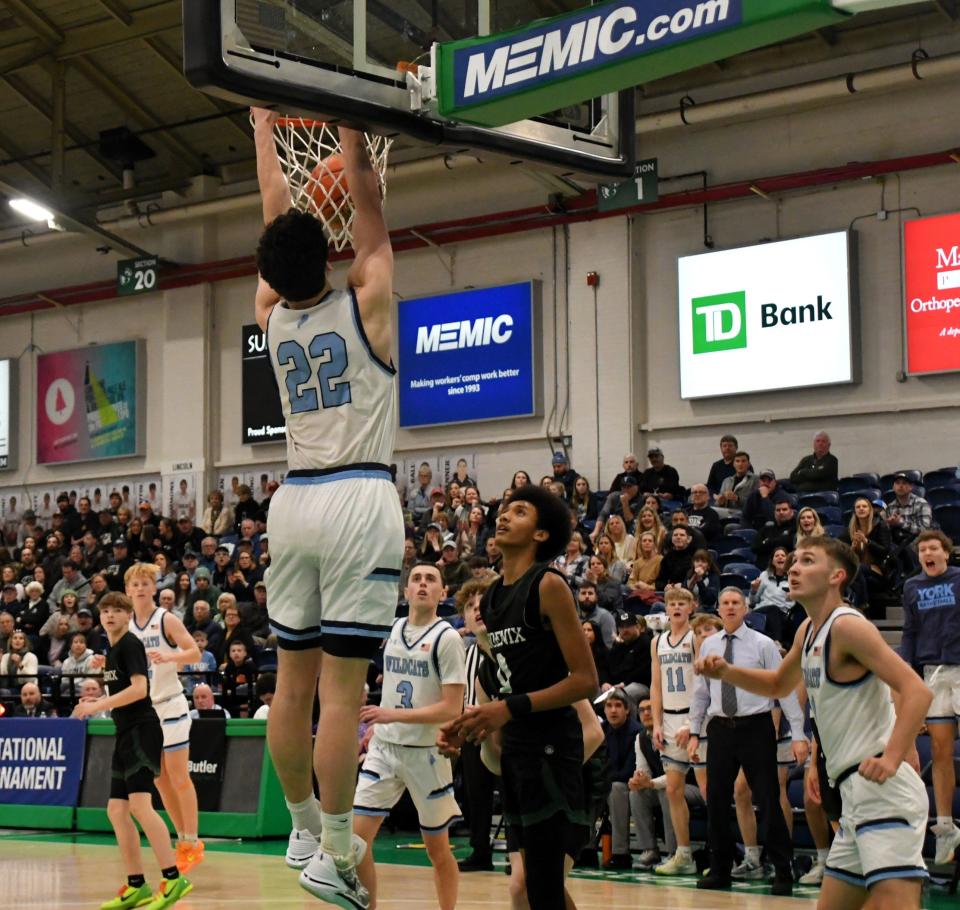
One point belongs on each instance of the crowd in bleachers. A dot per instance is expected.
(635, 540)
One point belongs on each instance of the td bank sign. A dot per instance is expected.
(770, 316)
(720, 320)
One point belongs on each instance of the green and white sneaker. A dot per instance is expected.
(169, 892)
(677, 865)
(129, 897)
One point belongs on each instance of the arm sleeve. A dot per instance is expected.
(452, 659)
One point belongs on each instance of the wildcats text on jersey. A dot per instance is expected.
(407, 666)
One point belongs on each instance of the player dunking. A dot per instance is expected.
(169, 647)
(849, 672)
(424, 676)
(136, 762)
(330, 350)
(543, 666)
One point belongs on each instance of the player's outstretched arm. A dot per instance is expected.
(274, 189)
(371, 274)
(777, 683)
(853, 637)
(188, 652)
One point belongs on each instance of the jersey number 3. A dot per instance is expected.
(328, 352)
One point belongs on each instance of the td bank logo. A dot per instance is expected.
(720, 322)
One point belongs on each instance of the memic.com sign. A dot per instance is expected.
(773, 316)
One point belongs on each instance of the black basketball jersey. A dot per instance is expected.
(528, 656)
(127, 658)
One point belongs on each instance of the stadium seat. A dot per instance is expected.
(600, 497)
(852, 484)
(733, 580)
(835, 529)
(754, 620)
(740, 554)
(915, 477)
(848, 499)
(727, 545)
(818, 500)
(830, 515)
(869, 478)
(944, 496)
(747, 569)
(933, 480)
(948, 517)
(747, 535)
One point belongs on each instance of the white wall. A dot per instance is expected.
(617, 347)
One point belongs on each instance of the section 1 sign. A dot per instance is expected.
(470, 355)
(931, 265)
(262, 413)
(8, 410)
(89, 403)
(775, 316)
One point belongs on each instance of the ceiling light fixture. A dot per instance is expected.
(30, 209)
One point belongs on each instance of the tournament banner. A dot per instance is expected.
(470, 355)
(931, 267)
(262, 413)
(8, 411)
(41, 760)
(88, 403)
(208, 752)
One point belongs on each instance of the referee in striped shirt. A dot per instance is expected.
(478, 782)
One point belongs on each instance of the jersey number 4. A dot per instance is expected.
(328, 353)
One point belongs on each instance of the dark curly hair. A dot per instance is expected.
(292, 256)
(553, 516)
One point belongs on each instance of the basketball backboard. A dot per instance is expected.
(338, 60)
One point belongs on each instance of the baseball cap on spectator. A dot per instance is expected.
(9, 587)
(626, 619)
(84, 611)
(559, 458)
(767, 472)
(202, 572)
(437, 491)
(901, 476)
(189, 554)
(448, 541)
(120, 542)
(183, 516)
(260, 584)
(630, 480)
(879, 503)
(434, 526)
(264, 536)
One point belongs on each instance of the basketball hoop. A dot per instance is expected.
(312, 163)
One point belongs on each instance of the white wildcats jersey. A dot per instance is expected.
(676, 671)
(339, 400)
(414, 673)
(164, 682)
(854, 719)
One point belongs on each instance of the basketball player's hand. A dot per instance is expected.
(692, 745)
(682, 736)
(374, 714)
(87, 707)
(448, 742)
(878, 769)
(812, 783)
(713, 666)
(478, 722)
(801, 749)
(158, 657)
(98, 661)
(658, 738)
(262, 116)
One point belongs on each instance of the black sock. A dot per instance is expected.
(136, 881)
(171, 874)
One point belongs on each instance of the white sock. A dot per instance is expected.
(337, 833)
(306, 815)
(752, 855)
(822, 856)
(684, 852)
(945, 823)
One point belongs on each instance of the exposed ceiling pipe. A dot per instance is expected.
(808, 94)
(479, 227)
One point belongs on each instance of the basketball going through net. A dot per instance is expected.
(311, 157)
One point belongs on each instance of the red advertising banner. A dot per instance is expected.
(932, 291)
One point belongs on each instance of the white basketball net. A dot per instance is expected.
(310, 154)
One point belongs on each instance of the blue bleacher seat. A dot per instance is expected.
(747, 569)
(848, 499)
(600, 497)
(915, 477)
(948, 517)
(835, 530)
(730, 579)
(851, 484)
(944, 496)
(830, 515)
(740, 554)
(818, 500)
(940, 478)
(747, 535)
(726, 545)
(869, 478)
